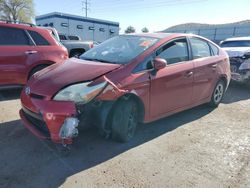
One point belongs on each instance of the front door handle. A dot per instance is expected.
(30, 52)
(189, 74)
(214, 66)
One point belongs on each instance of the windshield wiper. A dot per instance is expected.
(99, 60)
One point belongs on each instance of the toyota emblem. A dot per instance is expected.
(27, 90)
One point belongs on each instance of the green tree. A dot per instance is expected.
(17, 10)
(145, 30)
(130, 29)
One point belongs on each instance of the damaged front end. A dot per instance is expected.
(240, 68)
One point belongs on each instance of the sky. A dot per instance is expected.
(156, 15)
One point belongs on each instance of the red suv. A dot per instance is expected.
(123, 81)
(24, 50)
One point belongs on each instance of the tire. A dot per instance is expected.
(124, 120)
(36, 69)
(76, 54)
(218, 94)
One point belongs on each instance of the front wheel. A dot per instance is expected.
(124, 120)
(217, 94)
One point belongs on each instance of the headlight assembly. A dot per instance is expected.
(82, 93)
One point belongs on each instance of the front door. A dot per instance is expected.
(172, 86)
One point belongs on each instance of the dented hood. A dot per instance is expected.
(53, 78)
(237, 51)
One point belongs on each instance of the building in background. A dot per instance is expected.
(215, 33)
(86, 28)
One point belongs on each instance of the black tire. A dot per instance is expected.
(218, 94)
(76, 54)
(36, 69)
(124, 120)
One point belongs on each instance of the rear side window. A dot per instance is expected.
(200, 48)
(13, 37)
(174, 52)
(38, 39)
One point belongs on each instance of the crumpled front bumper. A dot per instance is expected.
(240, 69)
(44, 118)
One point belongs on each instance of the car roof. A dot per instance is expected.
(237, 39)
(161, 35)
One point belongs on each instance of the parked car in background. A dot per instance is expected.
(69, 37)
(123, 81)
(24, 50)
(75, 47)
(238, 50)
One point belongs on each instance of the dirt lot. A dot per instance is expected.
(197, 148)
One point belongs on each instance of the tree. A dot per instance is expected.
(130, 29)
(17, 10)
(145, 30)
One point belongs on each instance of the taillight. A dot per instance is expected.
(91, 45)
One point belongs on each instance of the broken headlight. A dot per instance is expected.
(83, 92)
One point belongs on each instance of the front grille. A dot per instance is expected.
(37, 121)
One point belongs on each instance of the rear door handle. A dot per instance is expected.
(189, 74)
(30, 52)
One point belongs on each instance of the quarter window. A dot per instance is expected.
(13, 37)
(174, 52)
(200, 48)
(214, 49)
(38, 39)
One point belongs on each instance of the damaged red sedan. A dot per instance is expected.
(125, 80)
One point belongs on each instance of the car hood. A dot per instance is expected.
(53, 78)
(237, 51)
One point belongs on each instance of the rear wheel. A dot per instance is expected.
(217, 94)
(124, 120)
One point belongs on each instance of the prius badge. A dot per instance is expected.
(27, 90)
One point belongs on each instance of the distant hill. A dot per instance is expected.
(187, 26)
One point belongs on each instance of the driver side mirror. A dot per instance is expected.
(159, 63)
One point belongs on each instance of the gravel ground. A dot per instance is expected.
(200, 147)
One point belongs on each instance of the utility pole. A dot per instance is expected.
(85, 7)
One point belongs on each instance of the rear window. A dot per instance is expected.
(226, 44)
(38, 39)
(13, 37)
(62, 37)
(72, 37)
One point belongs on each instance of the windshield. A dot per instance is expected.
(120, 49)
(229, 44)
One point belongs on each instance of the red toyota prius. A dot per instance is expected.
(123, 81)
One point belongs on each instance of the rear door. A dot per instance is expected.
(172, 86)
(14, 44)
(205, 68)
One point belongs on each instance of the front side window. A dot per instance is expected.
(13, 37)
(120, 49)
(38, 39)
(200, 48)
(174, 52)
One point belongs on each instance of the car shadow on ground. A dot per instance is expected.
(236, 92)
(10, 94)
(29, 162)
